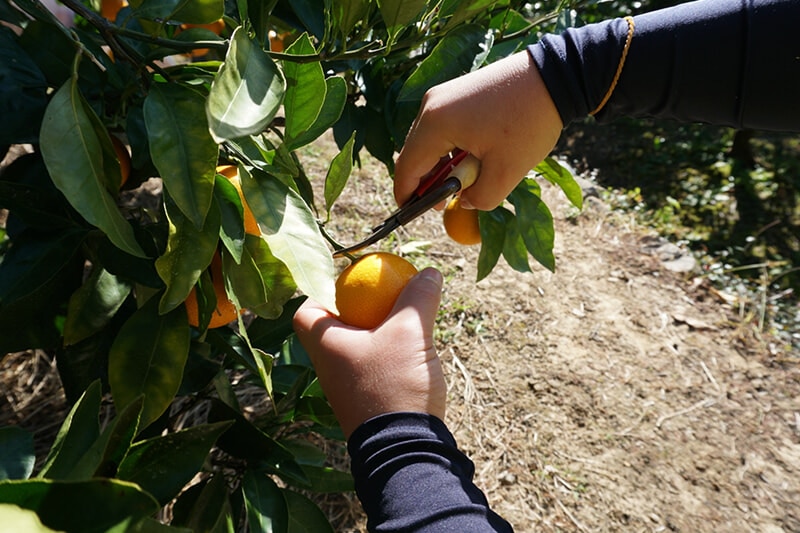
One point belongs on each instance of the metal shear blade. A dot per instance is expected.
(435, 187)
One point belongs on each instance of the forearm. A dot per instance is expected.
(410, 476)
(725, 62)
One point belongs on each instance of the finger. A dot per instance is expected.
(491, 187)
(422, 297)
(423, 149)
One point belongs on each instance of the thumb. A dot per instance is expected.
(421, 296)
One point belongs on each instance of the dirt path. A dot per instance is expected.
(615, 395)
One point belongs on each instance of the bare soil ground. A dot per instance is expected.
(611, 395)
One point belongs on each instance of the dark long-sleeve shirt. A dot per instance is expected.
(726, 62)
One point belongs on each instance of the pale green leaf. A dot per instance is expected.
(557, 174)
(338, 173)
(335, 99)
(305, 90)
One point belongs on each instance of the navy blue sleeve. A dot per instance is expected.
(411, 477)
(724, 62)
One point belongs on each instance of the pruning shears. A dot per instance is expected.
(454, 172)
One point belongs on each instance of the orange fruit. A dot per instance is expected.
(461, 224)
(367, 290)
(225, 312)
(110, 8)
(124, 159)
(232, 173)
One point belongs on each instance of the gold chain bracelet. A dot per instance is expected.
(610, 91)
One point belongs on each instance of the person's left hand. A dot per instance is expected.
(392, 368)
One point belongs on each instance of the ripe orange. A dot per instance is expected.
(461, 224)
(367, 290)
(232, 173)
(225, 312)
(124, 159)
(110, 8)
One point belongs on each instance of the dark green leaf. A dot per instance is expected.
(204, 507)
(348, 13)
(290, 229)
(92, 306)
(461, 51)
(92, 505)
(514, 250)
(304, 515)
(194, 12)
(266, 507)
(556, 174)
(34, 262)
(148, 358)
(231, 210)
(182, 149)
(163, 465)
(247, 91)
(189, 252)
(16, 453)
(328, 480)
(77, 434)
(535, 222)
(269, 335)
(23, 95)
(493, 234)
(83, 165)
(338, 174)
(305, 90)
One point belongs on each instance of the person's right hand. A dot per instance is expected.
(502, 114)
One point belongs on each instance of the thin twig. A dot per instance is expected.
(708, 402)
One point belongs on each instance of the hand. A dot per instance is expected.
(501, 113)
(392, 368)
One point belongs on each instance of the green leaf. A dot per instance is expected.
(324, 479)
(107, 452)
(261, 282)
(397, 14)
(204, 507)
(535, 222)
(266, 507)
(305, 90)
(557, 174)
(461, 51)
(514, 250)
(163, 465)
(91, 505)
(231, 210)
(290, 229)
(147, 358)
(347, 13)
(182, 150)
(15, 518)
(304, 515)
(23, 90)
(92, 306)
(269, 335)
(338, 174)
(188, 253)
(247, 92)
(83, 165)
(26, 269)
(493, 234)
(16, 453)
(332, 107)
(194, 12)
(77, 434)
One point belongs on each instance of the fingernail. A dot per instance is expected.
(433, 275)
(466, 204)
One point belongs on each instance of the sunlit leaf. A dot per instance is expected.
(347, 13)
(338, 173)
(397, 14)
(93, 305)
(17, 455)
(266, 507)
(163, 465)
(514, 251)
(15, 518)
(535, 222)
(83, 165)
(305, 90)
(182, 149)
(247, 91)
(188, 253)
(290, 229)
(557, 174)
(91, 505)
(148, 357)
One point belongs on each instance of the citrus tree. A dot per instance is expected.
(161, 195)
